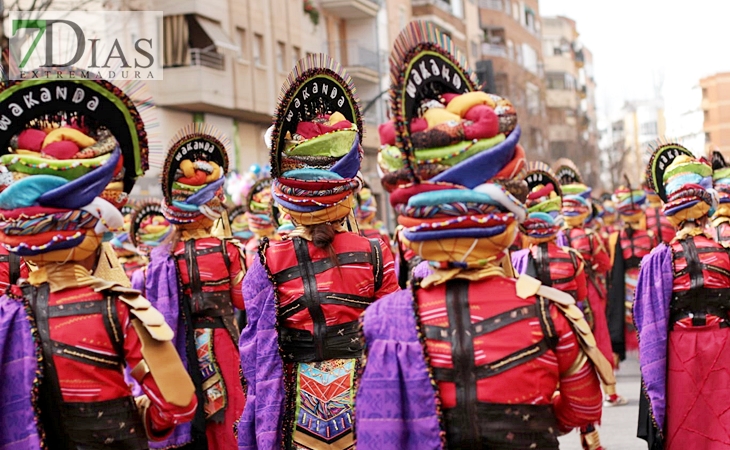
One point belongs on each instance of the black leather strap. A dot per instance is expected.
(75, 309)
(191, 261)
(694, 265)
(485, 326)
(325, 298)
(114, 329)
(543, 261)
(323, 265)
(310, 299)
(85, 356)
(13, 268)
(376, 255)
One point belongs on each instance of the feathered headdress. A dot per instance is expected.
(315, 143)
(193, 175)
(72, 150)
(446, 150)
(683, 183)
(544, 202)
(577, 204)
(149, 228)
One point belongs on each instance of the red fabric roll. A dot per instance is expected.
(31, 139)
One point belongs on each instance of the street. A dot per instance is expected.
(618, 429)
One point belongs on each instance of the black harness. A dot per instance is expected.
(68, 425)
(543, 260)
(327, 342)
(466, 426)
(13, 261)
(699, 300)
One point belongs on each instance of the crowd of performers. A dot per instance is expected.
(272, 309)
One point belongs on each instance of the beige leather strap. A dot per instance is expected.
(165, 366)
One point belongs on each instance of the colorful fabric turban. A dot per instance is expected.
(149, 228)
(259, 213)
(73, 150)
(544, 218)
(194, 174)
(577, 205)
(367, 206)
(315, 143)
(448, 153)
(239, 223)
(683, 182)
(721, 183)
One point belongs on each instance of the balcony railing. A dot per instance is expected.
(494, 50)
(207, 58)
(496, 5)
(353, 54)
(442, 4)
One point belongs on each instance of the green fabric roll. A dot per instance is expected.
(455, 153)
(335, 144)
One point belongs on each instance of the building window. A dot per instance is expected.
(707, 138)
(533, 99)
(704, 92)
(529, 58)
(516, 11)
(507, 6)
(491, 4)
(649, 128)
(296, 55)
(510, 49)
(258, 50)
(474, 49)
(242, 43)
(706, 115)
(280, 54)
(560, 81)
(530, 20)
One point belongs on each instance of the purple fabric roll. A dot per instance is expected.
(562, 239)
(349, 165)
(206, 194)
(484, 165)
(18, 366)
(651, 316)
(519, 260)
(295, 206)
(161, 290)
(395, 400)
(263, 368)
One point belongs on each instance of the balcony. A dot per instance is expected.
(556, 98)
(360, 62)
(202, 84)
(351, 9)
(494, 50)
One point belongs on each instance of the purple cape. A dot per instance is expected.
(396, 401)
(520, 260)
(161, 289)
(651, 316)
(18, 367)
(138, 281)
(263, 368)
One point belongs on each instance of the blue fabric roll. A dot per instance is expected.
(482, 232)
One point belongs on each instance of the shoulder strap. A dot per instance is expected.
(376, 256)
(13, 268)
(528, 286)
(114, 329)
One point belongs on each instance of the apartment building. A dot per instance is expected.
(510, 62)
(716, 111)
(570, 95)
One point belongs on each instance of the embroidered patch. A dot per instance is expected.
(214, 389)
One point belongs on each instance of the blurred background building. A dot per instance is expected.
(715, 105)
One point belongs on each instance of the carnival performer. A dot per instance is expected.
(721, 216)
(148, 230)
(239, 224)
(556, 266)
(127, 254)
(681, 314)
(79, 146)
(656, 221)
(259, 215)
(195, 279)
(609, 218)
(301, 351)
(468, 348)
(365, 214)
(578, 211)
(626, 246)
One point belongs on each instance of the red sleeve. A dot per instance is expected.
(579, 400)
(236, 271)
(390, 280)
(162, 416)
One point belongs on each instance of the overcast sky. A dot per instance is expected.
(635, 42)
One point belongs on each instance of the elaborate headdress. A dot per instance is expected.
(149, 228)
(73, 149)
(258, 205)
(446, 153)
(683, 182)
(193, 176)
(239, 223)
(577, 206)
(609, 208)
(315, 143)
(367, 206)
(721, 182)
(544, 218)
